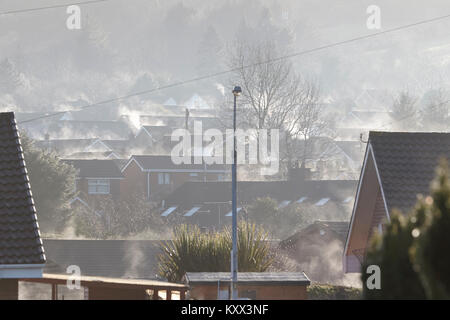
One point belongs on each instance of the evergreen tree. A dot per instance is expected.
(391, 253)
(431, 251)
(413, 252)
(52, 182)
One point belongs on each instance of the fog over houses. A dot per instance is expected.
(104, 110)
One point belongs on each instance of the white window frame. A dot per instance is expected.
(167, 178)
(99, 186)
(163, 178)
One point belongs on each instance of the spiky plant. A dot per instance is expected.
(194, 251)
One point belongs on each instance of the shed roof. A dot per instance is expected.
(89, 281)
(273, 278)
(20, 241)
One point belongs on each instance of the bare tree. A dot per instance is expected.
(308, 123)
(274, 96)
(435, 114)
(270, 87)
(404, 111)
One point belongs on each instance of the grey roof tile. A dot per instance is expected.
(20, 241)
(93, 168)
(406, 163)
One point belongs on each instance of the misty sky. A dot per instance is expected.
(134, 45)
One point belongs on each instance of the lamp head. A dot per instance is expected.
(237, 91)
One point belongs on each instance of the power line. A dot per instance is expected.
(51, 7)
(213, 75)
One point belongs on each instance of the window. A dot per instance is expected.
(98, 186)
(301, 199)
(168, 211)
(322, 202)
(191, 212)
(167, 178)
(163, 178)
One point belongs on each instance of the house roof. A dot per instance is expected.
(248, 278)
(406, 163)
(94, 155)
(64, 146)
(338, 228)
(106, 258)
(94, 168)
(157, 130)
(164, 162)
(20, 241)
(90, 129)
(196, 192)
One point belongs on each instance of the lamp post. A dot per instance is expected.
(234, 257)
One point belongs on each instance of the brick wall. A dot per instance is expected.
(262, 292)
(103, 293)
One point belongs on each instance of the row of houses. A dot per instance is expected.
(151, 176)
(199, 193)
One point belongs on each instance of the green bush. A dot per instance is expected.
(391, 254)
(331, 292)
(52, 182)
(431, 250)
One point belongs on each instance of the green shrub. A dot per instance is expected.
(431, 250)
(195, 251)
(331, 292)
(391, 254)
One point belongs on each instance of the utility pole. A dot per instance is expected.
(234, 257)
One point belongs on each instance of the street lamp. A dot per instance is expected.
(234, 257)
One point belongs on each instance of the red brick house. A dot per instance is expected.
(97, 178)
(21, 250)
(157, 175)
(397, 167)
